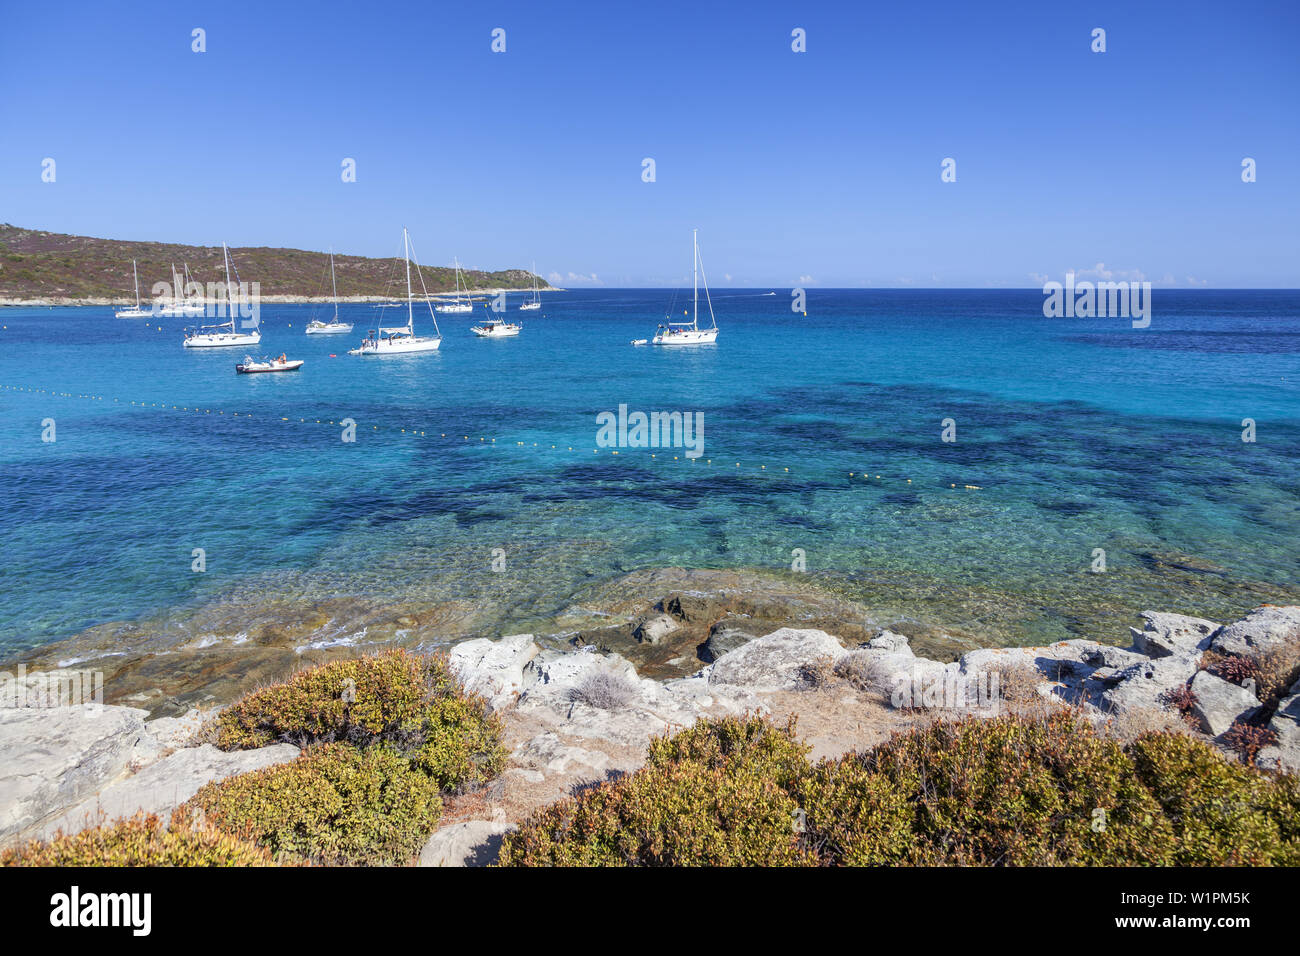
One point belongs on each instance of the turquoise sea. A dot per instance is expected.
(1074, 435)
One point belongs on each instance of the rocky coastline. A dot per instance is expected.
(582, 713)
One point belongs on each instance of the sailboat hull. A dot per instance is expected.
(687, 337)
(330, 328)
(220, 340)
(530, 306)
(405, 345)
(458, 309)
(499, 331)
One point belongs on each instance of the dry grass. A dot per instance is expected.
(604, 690)
(1127, 725)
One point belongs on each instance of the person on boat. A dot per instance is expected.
(281, 360)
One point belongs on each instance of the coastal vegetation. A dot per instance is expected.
(54, 266)
(1015, 790)
(142, 840)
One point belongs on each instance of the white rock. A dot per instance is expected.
(494, 669)
(175, 732)
(1142, 686)
(1285, 754)
(1263, 629)
(548, 753)
(54, 758)
(472, 843)
(163, 786)
(1219, 704)
(655, 629)
(1165, 634)
(775, 661)
(889, 641)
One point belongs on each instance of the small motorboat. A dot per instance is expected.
(281, 364)
(640, 341)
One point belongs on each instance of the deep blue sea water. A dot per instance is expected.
(1078, 433)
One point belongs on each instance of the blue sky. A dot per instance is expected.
(819, 168)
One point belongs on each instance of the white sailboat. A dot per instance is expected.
(494, 329)
(402, 340)
(181, 307)
(458, 306)
(535, 302)
(137, 312)
(225, 334)
(690, 333)
(316, 326)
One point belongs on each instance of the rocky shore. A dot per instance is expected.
(578, 714)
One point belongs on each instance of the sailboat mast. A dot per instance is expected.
(410, 314)
(136, 273)
(695, 265)
(334, 285)
(230, 300)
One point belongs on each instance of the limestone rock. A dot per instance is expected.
(163, 786)
(494, 669)
(889, 641)
(1143, 685)
(1220, 704)
(723, 640)
(54, 758)
(654, 629)
(1263, 629)
(1163, 635)
(775, 662)
(473, 843)
(1285, 754)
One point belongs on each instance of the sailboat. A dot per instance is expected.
(493, 329)
(208, 336)
(535, 302)
(137, 312)
(458, 305)
(690, 333)
(402, 340)
(316, 326)
(181, 307)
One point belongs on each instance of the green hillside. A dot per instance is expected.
(51, 265)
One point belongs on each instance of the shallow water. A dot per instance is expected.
(1079, 434)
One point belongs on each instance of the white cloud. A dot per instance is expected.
(807, 280)
(1099, 271)
(573, 278)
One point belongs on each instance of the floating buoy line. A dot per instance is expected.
(463, 439)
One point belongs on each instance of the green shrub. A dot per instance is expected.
(1022, 791)
(141, 840)
(855, 816)
(1222, 813)
(335, 805)
(710, 796)
(405, 701)
(1015, 790)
